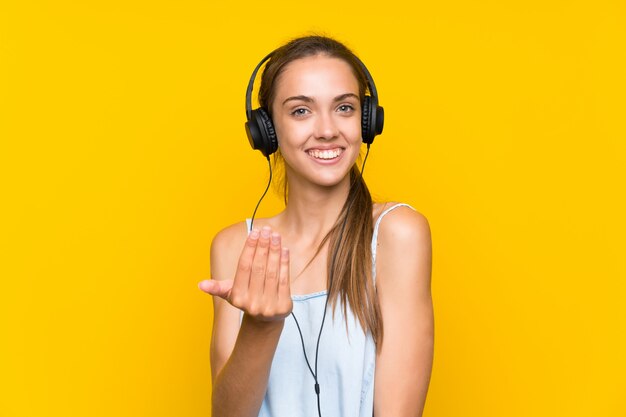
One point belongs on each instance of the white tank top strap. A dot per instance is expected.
(248, 225)
(375, 234)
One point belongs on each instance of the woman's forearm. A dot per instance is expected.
(240, 385)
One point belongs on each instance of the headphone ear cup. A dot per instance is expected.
(378, 120)
(372, 119)
(261, 133)
(365, 120)
(271, 141)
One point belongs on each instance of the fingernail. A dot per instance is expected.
(275, 238)
(285, 252)
(254, 234)
(265, 232)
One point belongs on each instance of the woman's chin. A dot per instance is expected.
(330, 180)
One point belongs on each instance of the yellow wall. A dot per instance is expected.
(123, 152)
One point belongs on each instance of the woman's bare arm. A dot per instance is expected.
(404, 363)
(241, 356)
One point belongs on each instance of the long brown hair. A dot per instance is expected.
(351, 273)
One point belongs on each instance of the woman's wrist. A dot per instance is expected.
(261, 326)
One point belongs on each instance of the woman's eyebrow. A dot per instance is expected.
(345, 96)
(308, 99)
(298, 98)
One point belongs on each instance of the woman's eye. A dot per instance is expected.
(299, 112)
(345, 108)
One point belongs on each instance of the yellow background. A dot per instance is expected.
(123, 152)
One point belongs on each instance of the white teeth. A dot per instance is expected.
(325, 154)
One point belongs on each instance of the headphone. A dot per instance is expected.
(261, 132)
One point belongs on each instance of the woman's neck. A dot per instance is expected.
(312, 210)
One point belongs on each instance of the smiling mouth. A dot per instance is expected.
(325, 154)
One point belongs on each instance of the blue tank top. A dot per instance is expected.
(346, 360)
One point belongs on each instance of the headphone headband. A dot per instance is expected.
(251, 85)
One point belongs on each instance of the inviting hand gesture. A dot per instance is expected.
(261, 284)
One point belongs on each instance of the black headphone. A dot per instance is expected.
(261, 132)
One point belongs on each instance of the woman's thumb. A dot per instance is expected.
(218, 288)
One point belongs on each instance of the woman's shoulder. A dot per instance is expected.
(401, 222)
(228, 243)
(230, 234)
(403, 248)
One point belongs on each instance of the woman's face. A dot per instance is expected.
(317, 117)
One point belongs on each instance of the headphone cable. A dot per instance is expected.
(264, 192)
(319, 336)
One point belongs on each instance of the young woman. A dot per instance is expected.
(325, 308)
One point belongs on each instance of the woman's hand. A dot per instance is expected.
(261, 284)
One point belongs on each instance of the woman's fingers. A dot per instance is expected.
(261, 284)
(220, 289)
(272, 270)
(242, 276)
(259, 264)
(284, 291)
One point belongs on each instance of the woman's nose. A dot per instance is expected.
(326, 127)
